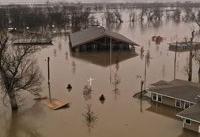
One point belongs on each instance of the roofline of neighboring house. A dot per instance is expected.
(171, 97)
(187, 118)
(131, 43)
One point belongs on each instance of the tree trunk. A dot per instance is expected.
(13, 101)
(190, 67)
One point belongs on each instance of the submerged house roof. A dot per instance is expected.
(178, 89)
(94, 33)
(192, 113)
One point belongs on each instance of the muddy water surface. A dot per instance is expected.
(120, 114)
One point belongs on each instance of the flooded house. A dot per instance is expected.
(99, 39)
(184, 46)
(180, 94)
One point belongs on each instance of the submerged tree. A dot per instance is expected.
(189, 44)
(197, 59)
(18, 71)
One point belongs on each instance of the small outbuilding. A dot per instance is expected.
(99, 39)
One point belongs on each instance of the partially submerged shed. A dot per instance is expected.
(98, 39)
(184, 46)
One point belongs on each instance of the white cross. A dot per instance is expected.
(90, 81)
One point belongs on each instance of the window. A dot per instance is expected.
(187, 121)
(178, 103)
(186, 105)
(159, 98)
(154, 97)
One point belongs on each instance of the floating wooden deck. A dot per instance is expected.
(56, 104)
(184, 46)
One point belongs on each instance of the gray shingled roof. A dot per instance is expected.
(192, 113)
(94, 33)
(160, 83)
(178, 89)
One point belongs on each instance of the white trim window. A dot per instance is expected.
(188, 121)
(154, 96)
(159, 98)
(178, 103)
(186, 105)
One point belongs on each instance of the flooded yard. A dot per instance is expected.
(120, 114)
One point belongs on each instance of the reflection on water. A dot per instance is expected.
(18, 125)
(66, 55)
(116, 81)
(73, 67)
(163, 71)
(60, 46)
(163, 110)
(87, 92)
(188, 133)
(18, 128)
(90, 117)
(55, 52)
(103, 58)
(148, 58)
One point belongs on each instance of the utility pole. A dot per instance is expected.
(49, 86)
(141, 92)
(190, 57)
(145, 72)
(110, 57)
(175, 61)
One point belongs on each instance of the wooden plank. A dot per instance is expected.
(56, 104)
(40, 98)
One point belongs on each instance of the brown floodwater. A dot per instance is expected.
(120, 115)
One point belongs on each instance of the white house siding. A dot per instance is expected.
(194, 126)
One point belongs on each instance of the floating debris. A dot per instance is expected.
(90, 117)
(102, 98)
(87, 92)
(157, 39)
(56, 104)
(69, 87)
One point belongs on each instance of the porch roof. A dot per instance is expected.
(178, 89)
(192, 113)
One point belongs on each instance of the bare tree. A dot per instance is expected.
(190, 44)
(18, 70)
